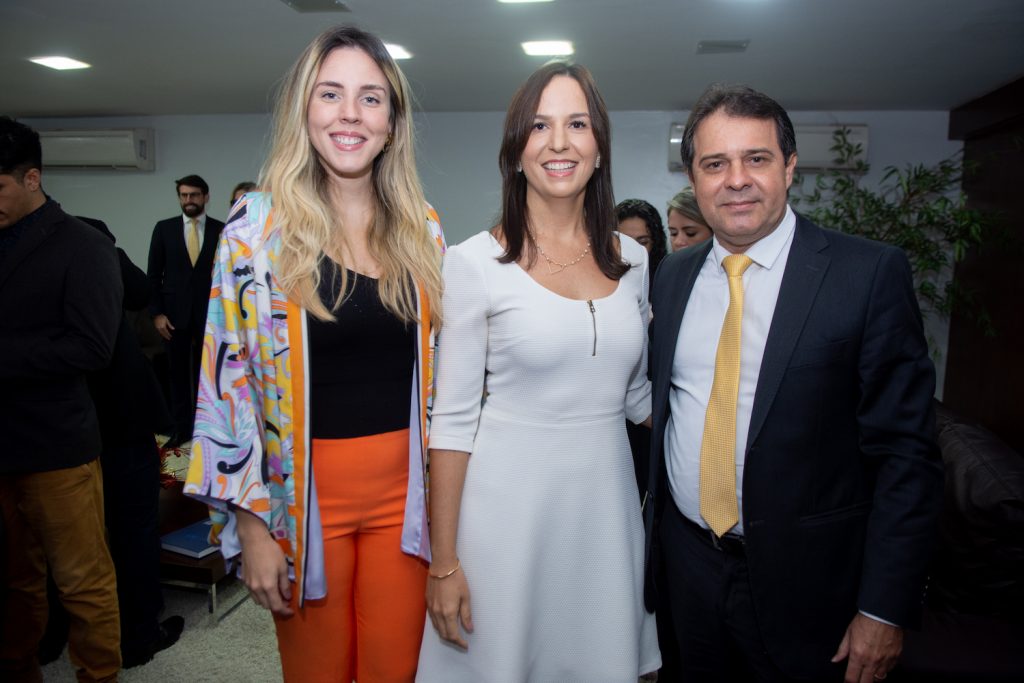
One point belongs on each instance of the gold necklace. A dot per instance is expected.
(561, 266)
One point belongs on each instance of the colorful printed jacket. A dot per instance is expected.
(251, 446)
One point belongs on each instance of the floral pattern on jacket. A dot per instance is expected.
(250, 447)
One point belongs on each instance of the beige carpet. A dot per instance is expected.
(241, 647)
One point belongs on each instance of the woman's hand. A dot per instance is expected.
(448, 605)
(264, 568)
(448, 596)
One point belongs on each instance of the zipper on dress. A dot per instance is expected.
(593, 319)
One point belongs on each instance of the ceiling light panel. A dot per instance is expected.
(60, 63)
(521, 2)
(548, 48)
(397, 51)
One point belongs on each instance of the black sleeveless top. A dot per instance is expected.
(361, 365)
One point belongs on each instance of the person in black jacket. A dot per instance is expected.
(180, 261)
(60, 305)
(131, 408)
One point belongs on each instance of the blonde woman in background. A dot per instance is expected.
(686, 224)
(326, 292)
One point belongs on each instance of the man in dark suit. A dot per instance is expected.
(60, 305)
(180, 264)
(794, 483)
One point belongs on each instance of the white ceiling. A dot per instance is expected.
(224, 56)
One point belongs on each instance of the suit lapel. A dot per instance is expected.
(177, 248)
(805, 269)
(676, 295)
(33, 237)
(209, 246)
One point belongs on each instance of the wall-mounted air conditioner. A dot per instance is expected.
(675, 142)
(128, 149)
(813, 145)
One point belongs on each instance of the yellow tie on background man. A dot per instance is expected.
(192, 243)
(718, 505)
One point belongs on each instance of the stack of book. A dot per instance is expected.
(192, 541)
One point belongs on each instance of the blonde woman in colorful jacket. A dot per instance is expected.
(315, 387)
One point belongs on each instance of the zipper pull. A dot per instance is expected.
(593, 319)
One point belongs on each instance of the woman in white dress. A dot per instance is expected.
(536, 532)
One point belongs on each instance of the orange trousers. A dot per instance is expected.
(369, 626)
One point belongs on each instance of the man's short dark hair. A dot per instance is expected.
(192, 181)
(742, 101)
(20, 150)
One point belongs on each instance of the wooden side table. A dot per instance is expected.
(206, 573)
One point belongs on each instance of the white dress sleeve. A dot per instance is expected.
(638, 396)
(461, 351)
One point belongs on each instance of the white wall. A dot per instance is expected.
(459, 156)
(458, 159)
(224, 150)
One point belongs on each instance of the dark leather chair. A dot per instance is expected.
(973, 626)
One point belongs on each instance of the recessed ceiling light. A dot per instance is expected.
(60, 63)
(548, 48)
(722, 47)
(397, 51)
(305, 6)
(516, 2)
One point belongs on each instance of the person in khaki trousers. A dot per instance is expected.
(60, 305)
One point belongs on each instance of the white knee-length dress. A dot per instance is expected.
(550, 533)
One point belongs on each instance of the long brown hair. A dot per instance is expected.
(598, 202)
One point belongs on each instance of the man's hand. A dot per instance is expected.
(163, 325)
(872, 647)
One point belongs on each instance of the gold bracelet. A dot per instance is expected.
(458, 563)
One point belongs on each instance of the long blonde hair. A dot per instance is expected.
(398, 238)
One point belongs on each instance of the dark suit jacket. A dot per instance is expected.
(60, 305)
(842, 479)
(181, 291)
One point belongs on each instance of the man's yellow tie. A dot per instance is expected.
(192, 243)
(718, 504)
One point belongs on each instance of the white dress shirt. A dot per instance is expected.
(693, 368)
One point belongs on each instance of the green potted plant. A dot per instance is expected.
(919, 208)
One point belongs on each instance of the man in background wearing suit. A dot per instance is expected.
(60, 305)
(180, 264)
(794, 481)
